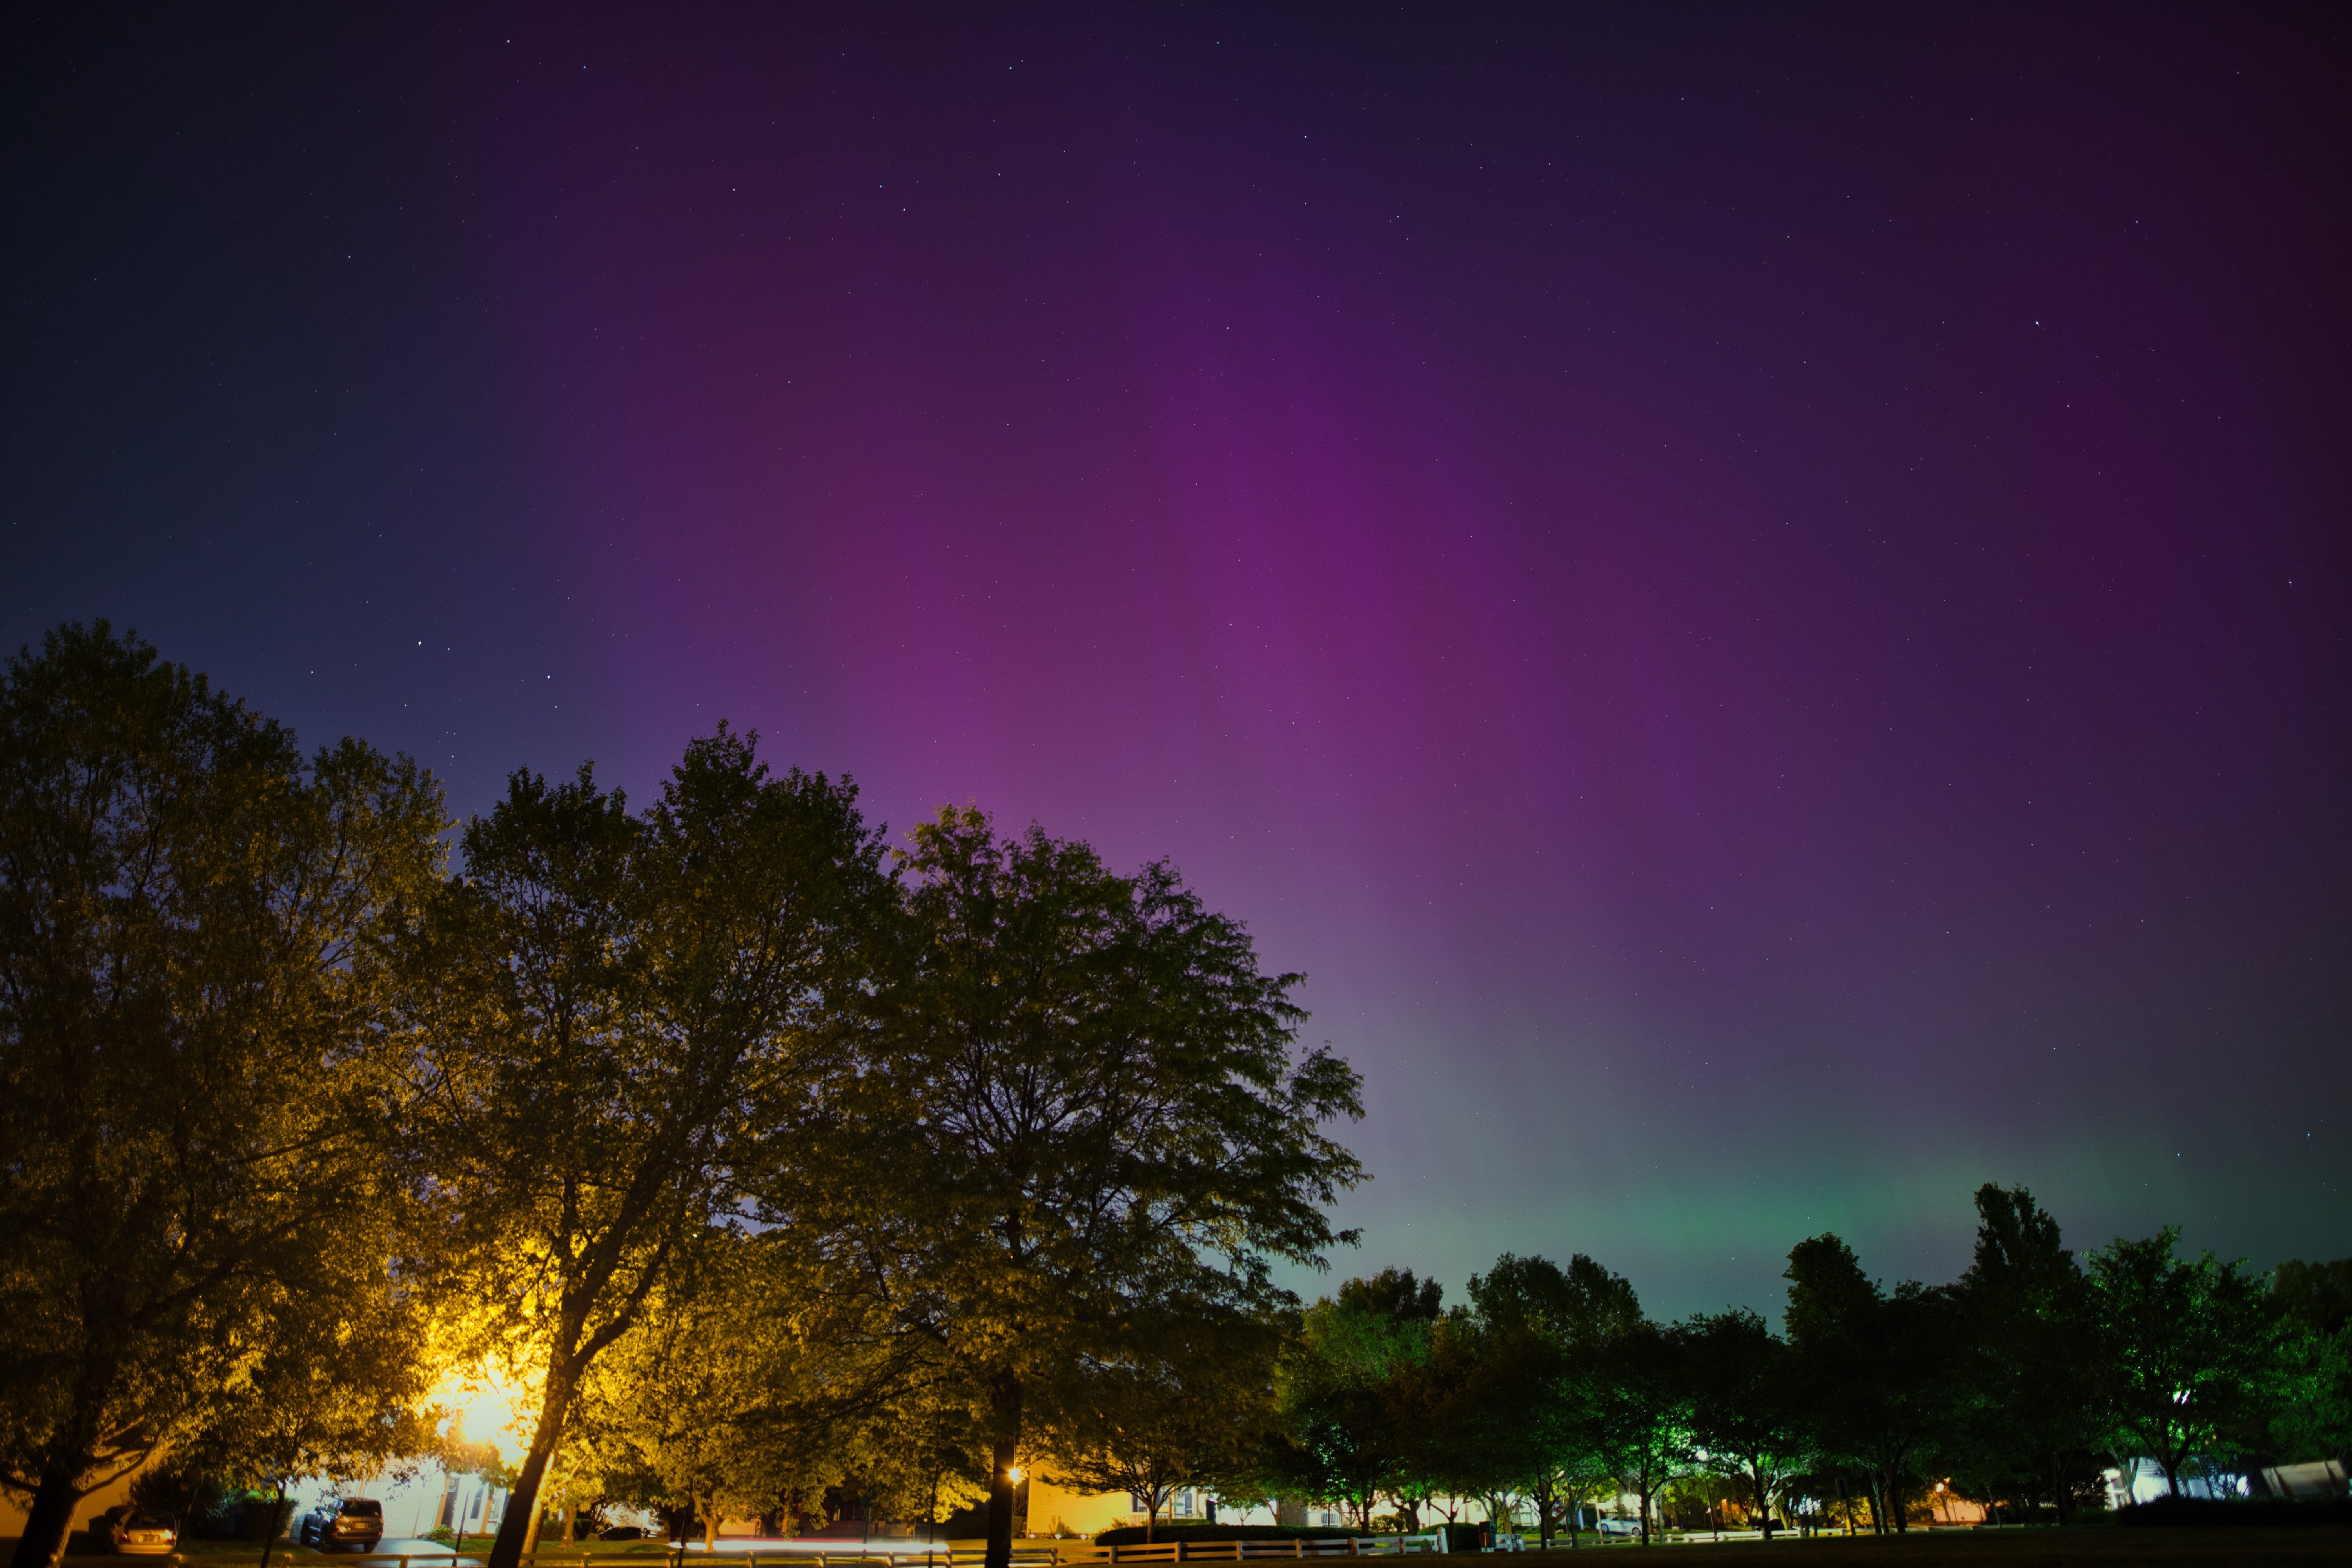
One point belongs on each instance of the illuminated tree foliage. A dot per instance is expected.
(616, 1018)
(1348, 1390)
(193, 919)
(1178, 1398)
(2189, 1350)
(778, 1168)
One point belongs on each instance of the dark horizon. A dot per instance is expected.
(1759, 600)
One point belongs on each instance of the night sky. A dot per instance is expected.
(1757, 596)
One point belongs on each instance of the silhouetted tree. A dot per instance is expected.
(2025, 1310)
(1084, 1097)
(1744, 1409)
(1879, 1371)
(1641, 1404)
(1548, 1331)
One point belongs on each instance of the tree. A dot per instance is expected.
(1877, 1369)
(1546, 1333)
(2313, 1420)
(1175, 1402)
(1445, 1409)
(616, 1018)
(1743, 1406)
(1083, 1099)
(681, 1385)
(1347, 1384)
(1584, 1306)
(2024, 1312)
(2190, 1352)
(1642, 1409)
(194, 919)
(338, 1380)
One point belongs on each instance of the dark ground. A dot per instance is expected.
(2103, 1547)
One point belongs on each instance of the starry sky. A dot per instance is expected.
(1757, 596)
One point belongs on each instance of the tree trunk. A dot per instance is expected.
(1004, 1452)
(43, 1544)
(522, 1502)
(276, 1518)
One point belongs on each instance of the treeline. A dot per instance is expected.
(2014, 1386)
(788, 1171)
(767, 1157)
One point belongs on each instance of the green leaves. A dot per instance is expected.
(292, 1120)
(193, 928)
(1081, 1100)
(615, 1018)
(2189, 1351)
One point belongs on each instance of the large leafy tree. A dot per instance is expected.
(1085, 1099)
(682, 1389)
(617, 1017)
(1349, 1390)
(1178, 1399)
(1877, 1369)
(1744, 1411)
(2312, 1301)
(2188, 1350)
(1445, 1408)
(338, 1380)
(194, 919)
(1546, 1335)
(1641, 1403)
(2024, 1312)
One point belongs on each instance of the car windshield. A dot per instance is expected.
(363, 1505)
(144, 1519)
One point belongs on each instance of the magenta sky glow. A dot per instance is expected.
(1759, 600)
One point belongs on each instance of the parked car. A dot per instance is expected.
(343, 1522)
(1611, 1525)
(142, 1532)
(621, 1532)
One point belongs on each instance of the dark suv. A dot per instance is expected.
(355, 1521)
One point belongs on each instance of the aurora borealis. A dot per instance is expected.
(1760, 599)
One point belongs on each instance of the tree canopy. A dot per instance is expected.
(194, 920)
(615, 1017)
(787, 1172)
(1085, 1101)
